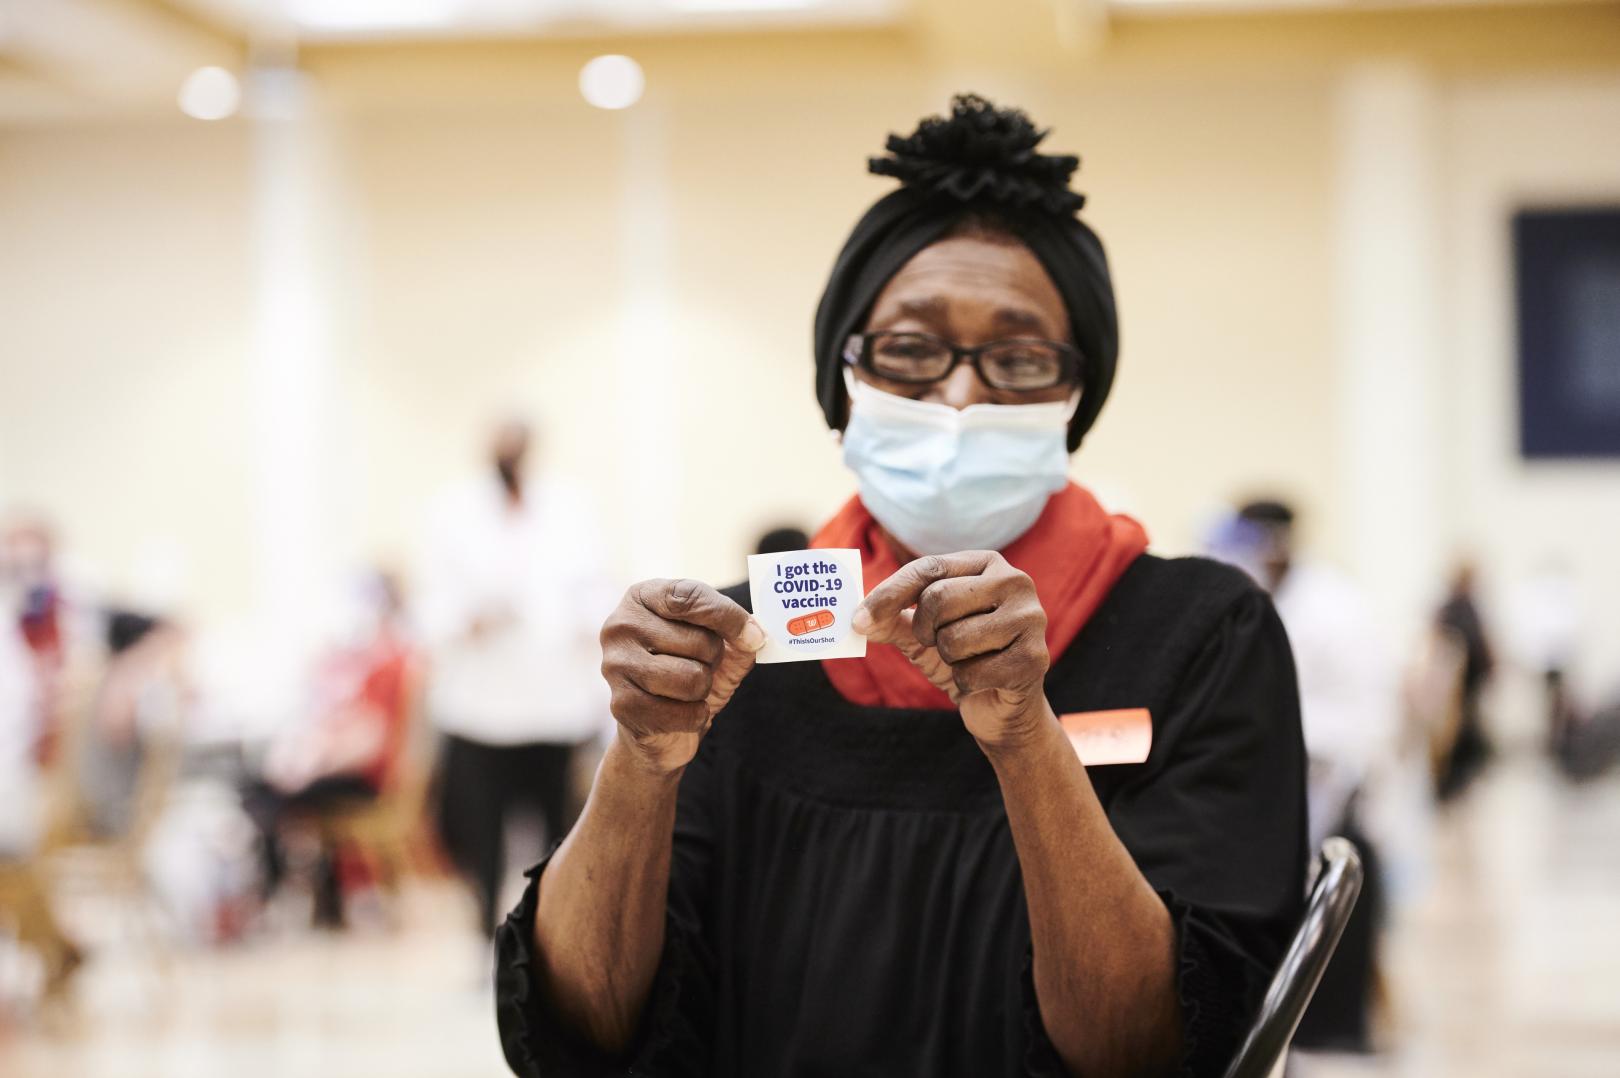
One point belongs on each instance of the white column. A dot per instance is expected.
(1389, 362)
(294, 346)
(649, 373)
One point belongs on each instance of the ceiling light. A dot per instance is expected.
(210, 93)
(612, 82)
(359, 16)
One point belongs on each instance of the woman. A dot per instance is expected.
(899, 865)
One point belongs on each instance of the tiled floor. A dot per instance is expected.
(415, 1004)
(1509, 966)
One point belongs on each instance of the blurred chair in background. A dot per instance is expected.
(512, 602)
(25, 912)
(25, 907)
(121, 746)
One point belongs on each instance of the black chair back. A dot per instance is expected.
(1338, 882)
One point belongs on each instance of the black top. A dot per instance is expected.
(845, 896)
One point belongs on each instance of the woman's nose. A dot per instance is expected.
(961, 388)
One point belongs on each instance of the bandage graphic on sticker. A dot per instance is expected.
(810, 623)
(806, 600)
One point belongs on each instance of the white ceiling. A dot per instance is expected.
(65, 58)
(380, 19)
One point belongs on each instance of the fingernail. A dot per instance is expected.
(753, 637)
(862, 621)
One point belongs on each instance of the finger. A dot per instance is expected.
(903, 588)
(958, 597)
(896, 630)
(733, 667)
(983, 634)
(696, 603)
(642, 711)
(659, 636)
(1011, 669)
(671, 677)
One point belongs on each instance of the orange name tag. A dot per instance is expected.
(1123, 736)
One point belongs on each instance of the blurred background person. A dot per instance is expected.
(1349, 706)
(52, 619)
(141, 703)
(780, 540)
(511, 605)
(344, 227)
(1460, 617)
(345, 749)
(1545, 627)
(20, 794)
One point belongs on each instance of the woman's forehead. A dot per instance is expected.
(975, 285)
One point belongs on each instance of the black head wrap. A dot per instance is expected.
(980, 162)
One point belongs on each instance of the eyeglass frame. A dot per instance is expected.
(858, 353)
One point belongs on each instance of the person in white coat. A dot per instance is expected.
(511, 595)
(1350, 708)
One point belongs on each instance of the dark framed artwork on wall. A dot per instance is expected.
(1566, 264)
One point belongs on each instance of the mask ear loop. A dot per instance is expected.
(834, 433)
(1074, 405)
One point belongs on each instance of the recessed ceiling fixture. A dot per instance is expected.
(612, 82)
(210, 93)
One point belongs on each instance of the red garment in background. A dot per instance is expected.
(41, 623)
(373, 678)
(41, 626)
(385, 689)
(1074, 553)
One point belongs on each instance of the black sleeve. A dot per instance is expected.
(1216, 823)
(674, 1037)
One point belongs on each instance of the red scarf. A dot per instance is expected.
(1074, 553)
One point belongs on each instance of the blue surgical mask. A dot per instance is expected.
(944, 479)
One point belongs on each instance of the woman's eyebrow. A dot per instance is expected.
(927, 309)
(1021, 319)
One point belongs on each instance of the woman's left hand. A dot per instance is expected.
(973, 624)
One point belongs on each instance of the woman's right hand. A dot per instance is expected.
(673, 652)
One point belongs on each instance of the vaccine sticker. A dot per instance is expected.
(806, 599)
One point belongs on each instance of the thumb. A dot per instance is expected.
(894, 629)
(735, 662)
(897, 630)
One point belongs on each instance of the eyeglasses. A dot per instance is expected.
(1019, 364)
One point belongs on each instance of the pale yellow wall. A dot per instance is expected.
(124, 318)
(483, 252)
(486, 267)
(1211, 197)
(1517, 143)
